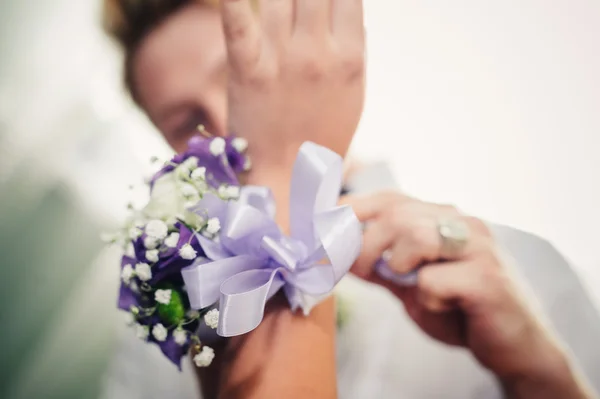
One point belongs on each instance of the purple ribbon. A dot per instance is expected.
(252, 259)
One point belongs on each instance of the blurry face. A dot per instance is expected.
(179, 73)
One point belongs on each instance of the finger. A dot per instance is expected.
(241, 33)
(433, 303)
(467, 284)
(277, 19)
(376, 239)
(367, 207)
(312, 17)
(418, 242)
(348, 20)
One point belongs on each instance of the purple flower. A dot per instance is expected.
(221, 169)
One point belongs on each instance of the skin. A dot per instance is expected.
(294, 72)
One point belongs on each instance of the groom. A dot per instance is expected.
(296, 73)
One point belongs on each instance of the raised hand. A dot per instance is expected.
(296, 73)
(462, 294)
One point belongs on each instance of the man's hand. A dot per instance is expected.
(296, 73)
(466, 299)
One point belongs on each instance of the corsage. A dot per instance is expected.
(206, 252)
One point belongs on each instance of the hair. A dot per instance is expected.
(130, 21)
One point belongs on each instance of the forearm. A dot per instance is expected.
(287, 355)
(557, 379)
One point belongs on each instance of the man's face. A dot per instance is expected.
(179, 73)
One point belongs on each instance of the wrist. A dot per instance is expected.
(257, 364)
(278, 179)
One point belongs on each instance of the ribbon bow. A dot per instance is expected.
(252, 259)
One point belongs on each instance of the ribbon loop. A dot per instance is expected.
(252, 259)
(243, 300)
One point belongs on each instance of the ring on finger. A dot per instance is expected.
(454, 236)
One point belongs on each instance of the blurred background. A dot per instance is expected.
(494, 106)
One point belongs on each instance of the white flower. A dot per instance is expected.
(247, 164)
(199, 173)
(172, 240)
(152, 255)
(134, 233)
(143, 271)
(180, 336)
(213, 226)
(191, 162)
(182, 171)
(240, 144)
(159, 332)
(126, 274)
(157, 229)
(187, 252)
(211, 318)
(188, 191)
(217, 146)
(165, 199)
(141, 331)
(228, 192)
(232, 192)
(130, 251)
(205, 357)
(163, 296)
(151, 242)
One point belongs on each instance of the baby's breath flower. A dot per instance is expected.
(182, 171)
(188, 191)
(240, 144)
(213, 226)
(211, 318)
(129, 250)
(232, 192)
(134, 233)
(247, 164)
(163, 296)
(199, 173)
(217, 146)
(159, 332)
(205, 357)
(172, 240)
(187, 252)
(143, 271)
(171, 222)
(157, 229)
(152, 255)
(127, 274)
(191, 162)
(180, 336)
(151, 242)
(141, 331)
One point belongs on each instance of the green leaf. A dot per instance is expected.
(174, 312)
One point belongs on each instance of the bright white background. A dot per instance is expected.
(494, 106)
